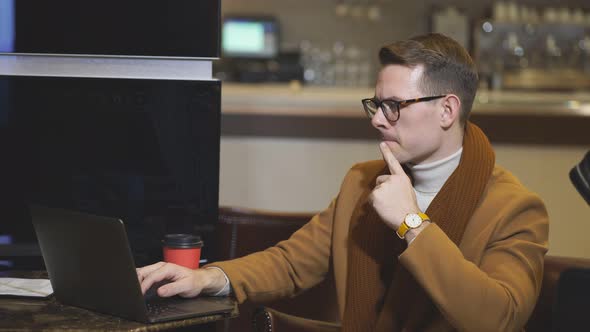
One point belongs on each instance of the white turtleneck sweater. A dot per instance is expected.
(430, 178)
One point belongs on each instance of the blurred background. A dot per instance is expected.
(334, 42)
(294, 72)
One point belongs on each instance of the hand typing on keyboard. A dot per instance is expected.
(152, 292)
(167, 279)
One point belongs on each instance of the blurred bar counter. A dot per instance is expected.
(292, 110)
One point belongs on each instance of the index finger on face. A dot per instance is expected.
(392, 163)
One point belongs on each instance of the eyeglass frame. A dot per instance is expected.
(398, 106)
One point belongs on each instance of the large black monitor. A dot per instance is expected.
(176, 28)
(143, 150)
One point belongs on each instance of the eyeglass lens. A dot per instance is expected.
(389, 110)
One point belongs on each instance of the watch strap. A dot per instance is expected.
(404, 228)
(423, 216)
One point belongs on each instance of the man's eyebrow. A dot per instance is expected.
(390, 98)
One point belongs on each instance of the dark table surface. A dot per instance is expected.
(47, 314)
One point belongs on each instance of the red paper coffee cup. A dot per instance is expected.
(182, 249)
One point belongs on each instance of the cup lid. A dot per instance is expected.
(182, 241)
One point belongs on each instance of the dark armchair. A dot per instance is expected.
(244, 231)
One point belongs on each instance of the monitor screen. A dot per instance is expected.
(179, 28)
(143, 150)
(244, 37)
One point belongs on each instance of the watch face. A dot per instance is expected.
(413, 220)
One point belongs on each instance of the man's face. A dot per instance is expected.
(416, 136)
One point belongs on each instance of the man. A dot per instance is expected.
(433, 237)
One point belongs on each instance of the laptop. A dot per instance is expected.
(90, 265)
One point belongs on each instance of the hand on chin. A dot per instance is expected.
(392, 144)
(397, 151)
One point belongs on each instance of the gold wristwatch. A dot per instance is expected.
(412, 220)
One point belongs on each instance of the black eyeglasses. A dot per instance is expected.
(391, 107)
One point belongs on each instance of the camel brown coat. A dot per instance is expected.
(490, 282)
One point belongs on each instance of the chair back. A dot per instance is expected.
(546, 315)
(242, 231)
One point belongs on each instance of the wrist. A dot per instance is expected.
(215, 279)
(411, 221)
(413, 233)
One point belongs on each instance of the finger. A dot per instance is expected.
(392, 163)
(142, 272)
(371, 198)
(381, 179)
(165, 271)
(145, 270)
(181, 287)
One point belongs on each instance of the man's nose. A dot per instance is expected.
(379, 120)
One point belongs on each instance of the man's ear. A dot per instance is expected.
(451, 109)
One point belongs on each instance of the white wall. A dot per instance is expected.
(545, 170)
(304, 175)
(286, 174)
